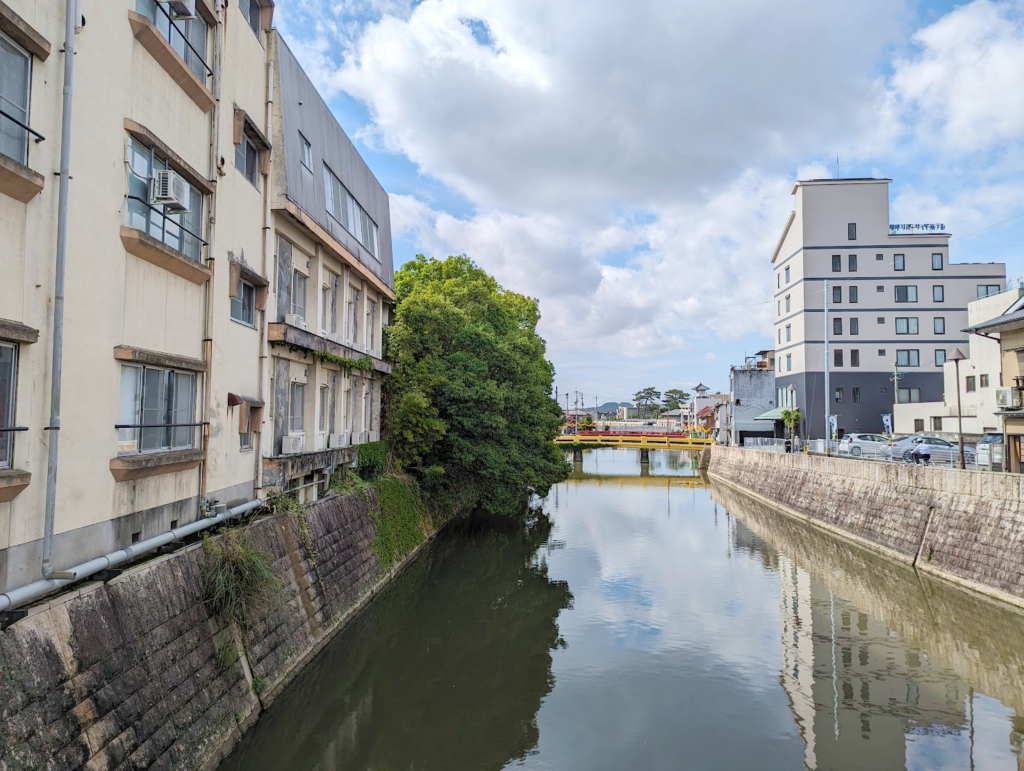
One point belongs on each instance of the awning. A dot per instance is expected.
(775, 414)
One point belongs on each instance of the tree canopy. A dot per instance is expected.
(676, 398)
(647, 399)
(471, 407)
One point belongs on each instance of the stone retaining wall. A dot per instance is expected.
(130, 674)
(964, 526)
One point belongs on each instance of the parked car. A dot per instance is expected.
(985, 448)
(870, 445)
(942, 451)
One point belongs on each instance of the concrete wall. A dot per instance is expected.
(129, 673)
(963, 526)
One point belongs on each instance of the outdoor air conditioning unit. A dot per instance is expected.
(1008, 398)
(295, 320)
(374, 436)
(337, 441)
(334, 337)
(171, 190)
(180, 9)
(292, 444)
(358, 437)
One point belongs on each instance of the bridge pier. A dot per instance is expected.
(645, 455)
(577, 455)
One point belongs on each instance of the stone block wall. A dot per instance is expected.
(965, 526)
(130, 674)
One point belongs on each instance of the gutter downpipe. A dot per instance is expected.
(58, 290)
(26, 594)
(268, 246)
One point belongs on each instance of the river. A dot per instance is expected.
(640, 619)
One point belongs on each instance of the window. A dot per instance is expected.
(323, 408)
(787, 274)
(910, 396)
(245, 436)
(938, 293)
(855, 357)
(856, 395)
(837, 326)
(908, 358)
(840, 393)
(906, 294)
(299, 294)
(879, 288)
(937, 262)
(851, 231)
(970, 384)
(853, 294)
(852, 262)
(918, 425)
(939, 324)
(854, 326)
(15, 83)
(180, 232)
(346, 210)
(883, 389)
(789, 362)
(837, 357)
(325, 306)
(789, 333)
(987, 290)
(907, 325)
(243, 304)
(899, 262)
(8, 390)
(780, 335)
(837, 294)
(879, 257)
(837, 263)
(788, 305)
(881, 352)
(881, 319)
(296, 408)
(307, 152)
(247, 160)
(983, 381)
(371, 324)
(158, 405)
(780, 307)
(937, 421)
(778, 280)
(253, 12)
(186, 36)
(940, 357)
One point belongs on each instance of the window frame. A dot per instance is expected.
(854, 294)
(323, 406)
(941, 261)
(9, 407)
(938, 293)
(787, 274)
(789, 332)
(837, 295)
(909, 289)
(133, 441)
(299, 309)
(854, 326)
(837, 263)
(8, 105)
(940, 357)
(306, 152)
(911, 325)
(855, 394)
(939, 321)
(911, 392)
(851, 231)
(253, 21)
(239, 301)
(899, 263)
(997, 287)
(855, 357)
(296, 395)
(837, 326)
(970, 384)
(789, 362)
(245, 437)
(788, 304)
(243, 154)
(912, 357)
(852, 263)
(837, 357)
(839, 395)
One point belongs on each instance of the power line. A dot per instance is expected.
(989, 227)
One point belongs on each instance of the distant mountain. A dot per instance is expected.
(612, 406)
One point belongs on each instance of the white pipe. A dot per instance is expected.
(58, 290)
(268, 246)
(33, 591)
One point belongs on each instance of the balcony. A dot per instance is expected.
(170, 60)
(286, 334)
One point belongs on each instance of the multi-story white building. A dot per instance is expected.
(892, 299)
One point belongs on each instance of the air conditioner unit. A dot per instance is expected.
(373, 436)
(171, 190)
(1008, 398)
(295, 320)
(337, 441)
(334, 337)
(292, 444)
(180, 9)
(358, 437)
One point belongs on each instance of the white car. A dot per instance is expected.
(868, 445)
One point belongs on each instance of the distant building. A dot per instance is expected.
(627, 413)
(751, 396)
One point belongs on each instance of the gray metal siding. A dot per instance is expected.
(304, 110)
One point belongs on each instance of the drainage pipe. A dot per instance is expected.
(33, 591)
(58, 289)
(268, 246)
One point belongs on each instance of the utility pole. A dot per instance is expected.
(828, 395)
(957, 356)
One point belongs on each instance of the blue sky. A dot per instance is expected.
(629, 164)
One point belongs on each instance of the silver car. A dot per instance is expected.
(868, 445)
(943, 452)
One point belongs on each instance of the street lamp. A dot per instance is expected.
(956, 356)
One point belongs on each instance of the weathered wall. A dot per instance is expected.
(127, 674)
(964, 526)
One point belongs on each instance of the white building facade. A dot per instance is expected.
(879, 298)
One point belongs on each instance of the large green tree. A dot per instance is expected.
(470, 393)
(647, 401)
(676, 398)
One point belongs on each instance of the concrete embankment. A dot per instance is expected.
(966, 527)
(139, 672)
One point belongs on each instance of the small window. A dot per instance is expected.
(987, 290)
(324, 405)
(937, 261)
(855, 357)
(907, 325)
(881, 319)
(787, 274)
(908, 358)
(938, 293)
(853, 294)
(883, 389)
(970, 384)
(837, 357)
(247, 160)
(879, 288)
(840, 393)
(779, 313)
(939, 324)
(983, 381)
(881, 352)
(8, 391)
(296, 408)
(918, 425)
(837, 294)
(936, 421)
(15, 84)
(325, 306)
(837, 263)
(789, 333)
(899, 262)
(837, 326)
(789, 362)
(307, 152)
(245, 437)
(852, 262)
(780, 335)
(856, 395)
(940, 357)
(851, 231)
(298, 294)
(788, 304)
(243, 304)
(854, 326)
(778, 280)
(906, 294)
(879, 257)
(253, 13)
(910, 396)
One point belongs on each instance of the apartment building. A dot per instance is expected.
(883, 298)
(751, 395)
(172, 308)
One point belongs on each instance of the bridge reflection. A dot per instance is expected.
(646, 479)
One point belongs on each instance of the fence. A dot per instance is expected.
(947, 457)
(764, 443)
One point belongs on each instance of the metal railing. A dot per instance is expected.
(942, 457)
(163, 228)
(167, 428)
(36, 135)
(764, 443)
(174, 26)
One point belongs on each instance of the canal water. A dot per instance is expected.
(640, 619)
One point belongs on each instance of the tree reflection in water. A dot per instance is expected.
(446, 670)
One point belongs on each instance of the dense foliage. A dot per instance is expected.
(471, 405)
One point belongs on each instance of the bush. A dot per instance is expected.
(373, 459)
(399, 518)
(238, 579)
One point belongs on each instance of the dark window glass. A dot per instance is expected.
(851, 231)
(837, 263)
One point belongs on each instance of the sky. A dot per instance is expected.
(630, 164)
